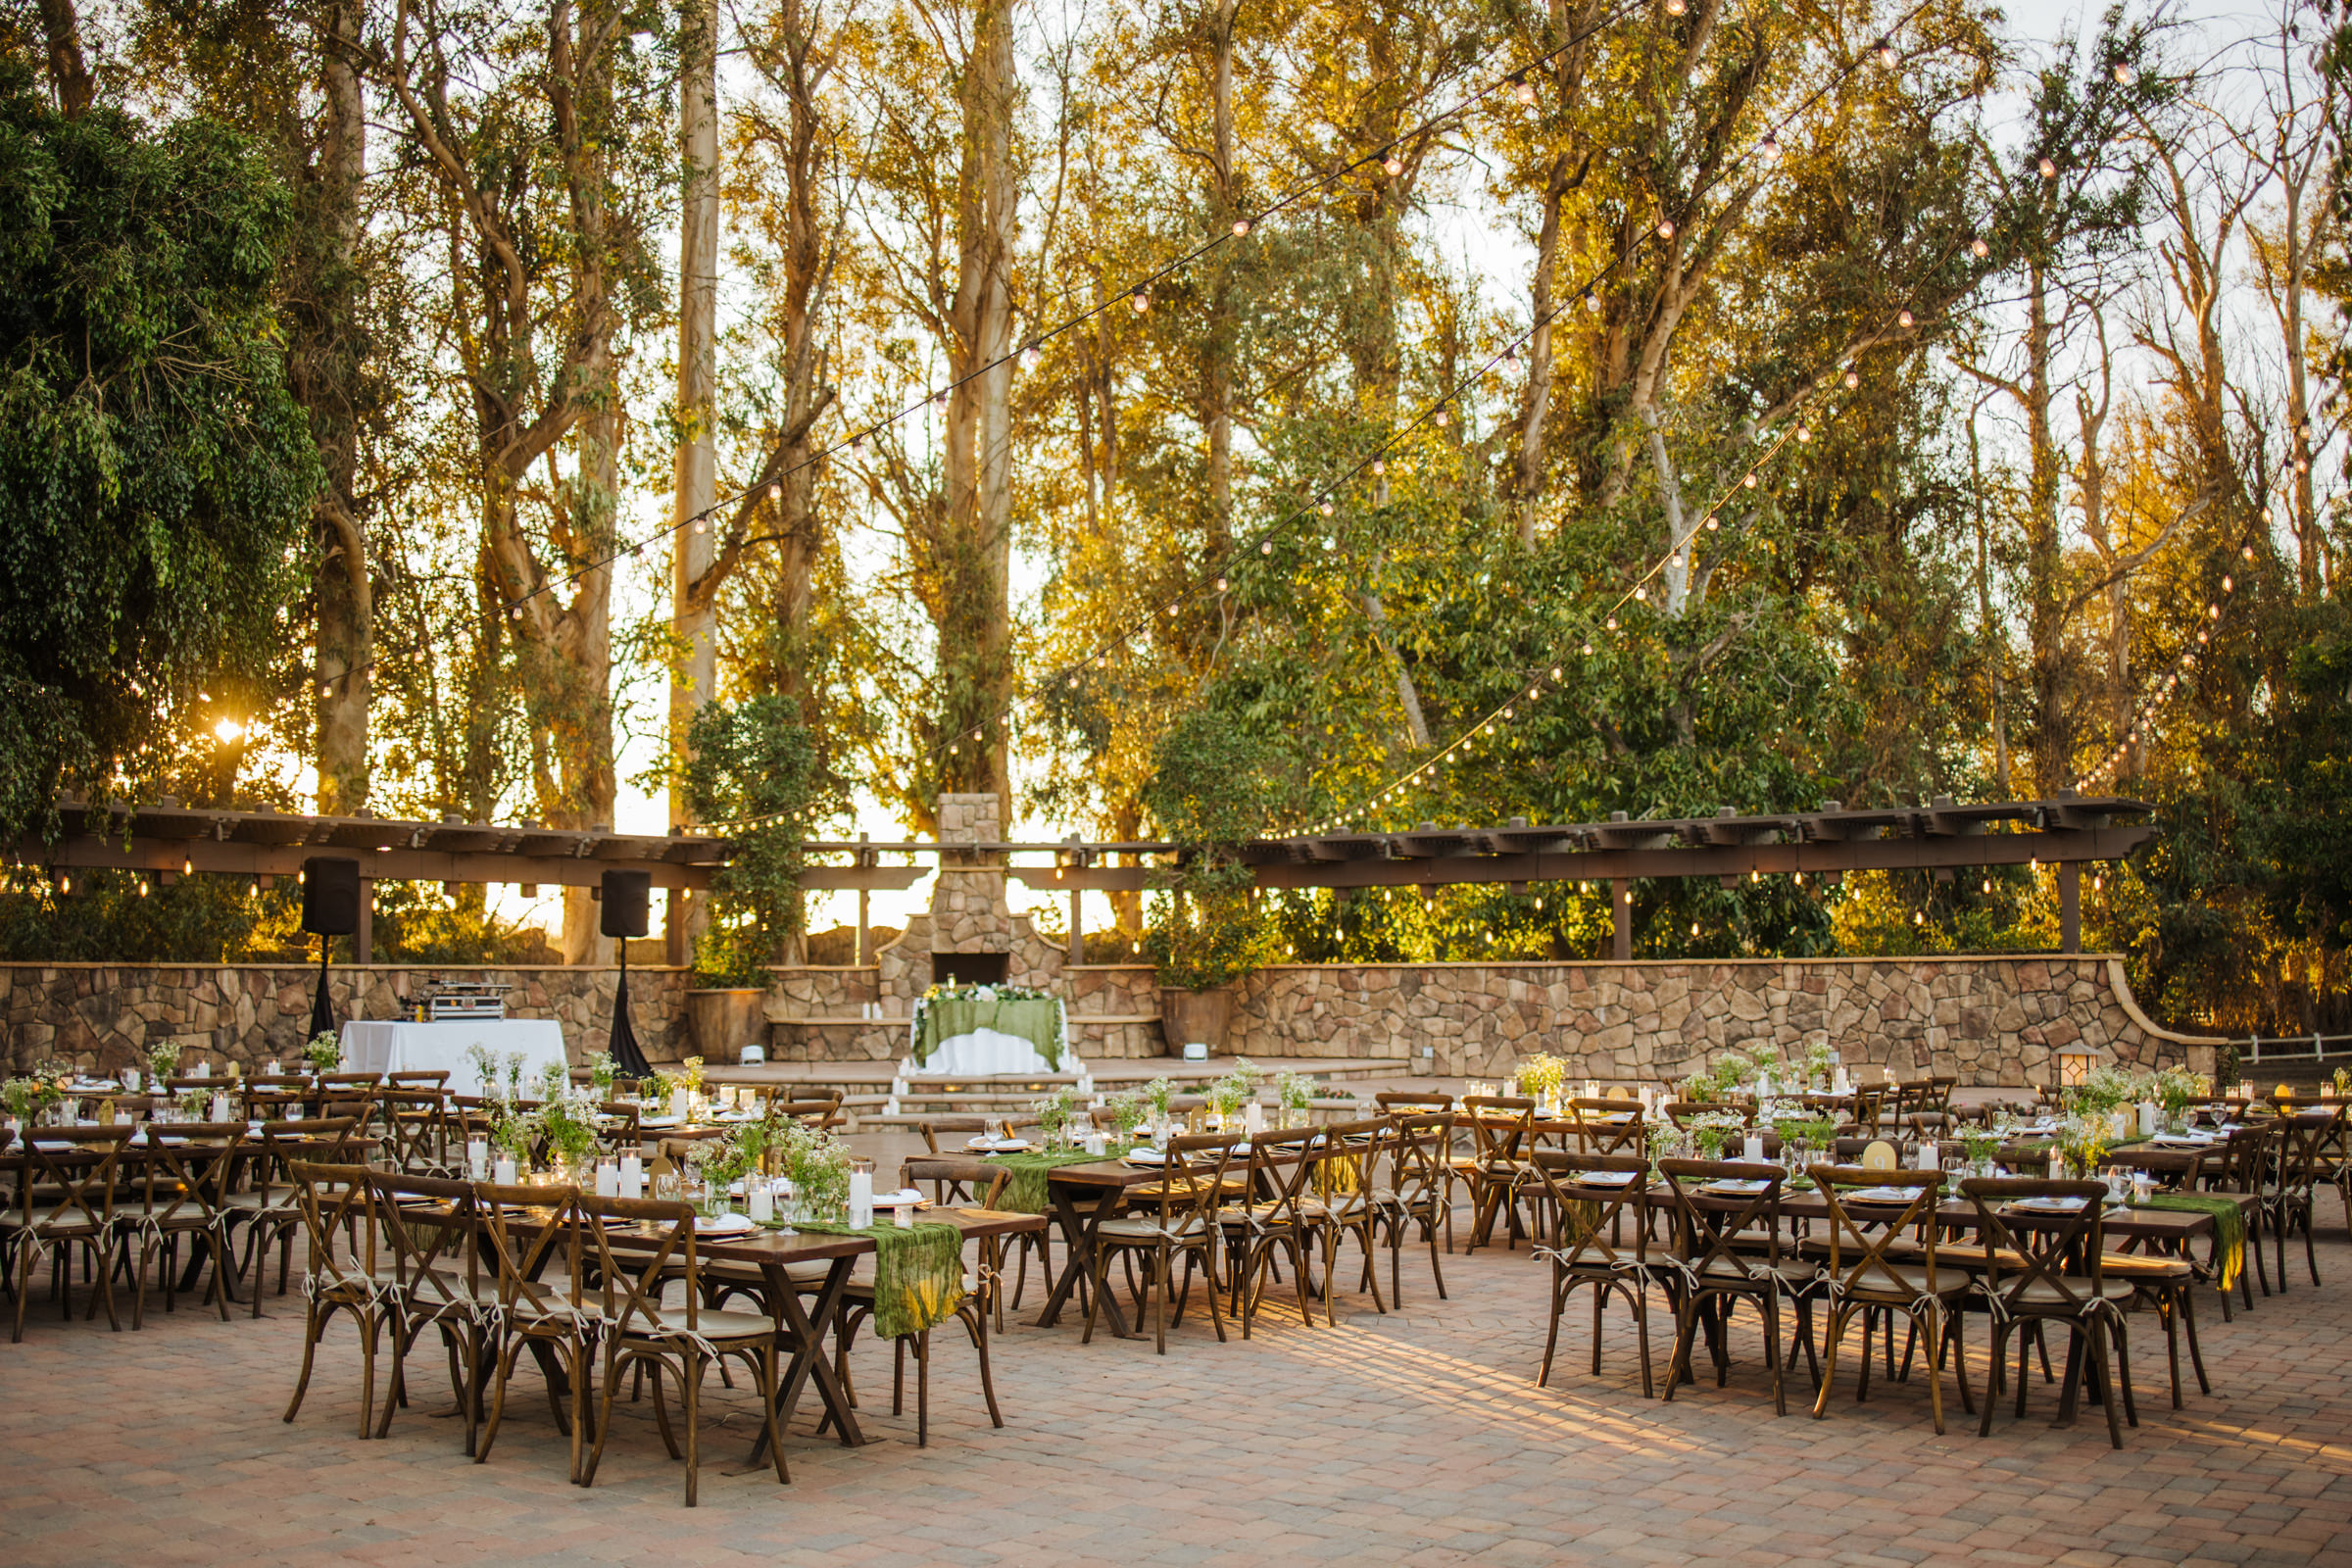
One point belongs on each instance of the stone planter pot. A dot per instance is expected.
(722, 1022)
(1188, 1017)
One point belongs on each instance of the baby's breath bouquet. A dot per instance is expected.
(1712, 1130)
(1230, 1093)
(324, 1052)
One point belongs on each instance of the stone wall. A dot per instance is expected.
(107, 1017)
(1989, 1019)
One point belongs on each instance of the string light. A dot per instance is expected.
(1031, 357)
(2050, 169)
(1394, 165)
(1853, 380)
(1665, 228)
(1141, 299)
(1523, 89)
(1241, 229)
(1884, 53)
(2124, 76)
(1769, 149)
(1978, 249)
(1904, 320)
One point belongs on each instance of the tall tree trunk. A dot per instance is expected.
(975, 645)
(1218, 341)
(2051, 672)
(695, 671)
(345, 630)
(1996, 640)
(68, 70)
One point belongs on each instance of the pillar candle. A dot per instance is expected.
(1254, 1118)
(607, 1179)
(1752, 1149)
(861, 1199)
(632, 1176)
(1930, 1157)
(503, 1172)
(761, 1198)
(478, 1159)
(677, 1103)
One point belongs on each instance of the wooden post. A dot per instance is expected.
(363, 942)
(1077, 931)
(1621, 914)
(2070, 906)
(865, 941)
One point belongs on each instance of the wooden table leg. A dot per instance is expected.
(1078, 1233)
(809, 1358)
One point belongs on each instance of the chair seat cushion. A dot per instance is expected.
(1140, 1228)
(717, 1326)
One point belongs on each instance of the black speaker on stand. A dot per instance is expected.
(330, 908)
(622, 915)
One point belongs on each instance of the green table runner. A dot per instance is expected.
(1036, 1020)
(1025, 1193)
(2229, 1227)
(918, 1273)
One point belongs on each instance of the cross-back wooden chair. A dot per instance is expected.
(268, 1204)
(1879, 1260)
(1728, 1249)
(1601, 1243)
(1419, 1194)
(182, 1189)
(1407, 1102)
(1501, 1134)
(536, 1236)
(1278, 1214)
(66, 1205)
(416, 1132)
(419, 1078)
(2049, 1267)
(642, 1330)
(1181, 1220)
(2300, 1165)
(339, 1200)
(1598, 1133)
(1352, 1166)
(430, 1224)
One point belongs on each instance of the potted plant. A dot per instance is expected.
(753, 773)
(1214, 787)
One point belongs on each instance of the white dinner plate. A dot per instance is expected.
(999, 1146)
(722, 1225)
(2051, 1205)
(1885, 1195)
(1606, 1178)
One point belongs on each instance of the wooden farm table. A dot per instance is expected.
(777, 1255)
(1069, 1189)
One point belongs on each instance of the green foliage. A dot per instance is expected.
(1215, 785)
(155, 475)
(754, 776)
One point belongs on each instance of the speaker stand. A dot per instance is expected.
(322, 1006)
(628, 1060)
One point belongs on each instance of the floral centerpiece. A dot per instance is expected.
(325, 1052)
(1541, 1075)
(566, 1121)
(1980, 1143)
(1294, 1095)
(1821, 1066)
(2082, 1141)
(720, 1163)
(817, 1164)
(1802, 1133)
(1126, 1114)
(163, 1060)
(1712, 1130)
(1055, 1114)
(30, 1097)
(2174, 1090)
(601, 1071)
(1158, 1097)
(1230, 1092)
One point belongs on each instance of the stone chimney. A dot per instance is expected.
(968, 909)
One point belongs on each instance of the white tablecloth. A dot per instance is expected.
(372, 1045)
(985, 1052)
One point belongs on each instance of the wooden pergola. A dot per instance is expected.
(167, 839)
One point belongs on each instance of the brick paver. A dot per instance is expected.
(1415, 1438)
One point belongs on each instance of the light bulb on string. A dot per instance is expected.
(1379, 466)
(2248, 552)
(2124, 76)
(1030, 357)
(2050, 169)
(1675, 7)
(1510, 357)
(1325, 508)
(1853, 380)
(1241, 228)
(1749, 482)
(1904, 320)
(1587, 648)
(1523, 89)
(700, 525)
(1978, 249)
(1220, 585)
(1438, 416)
(1884, 52)
(1769, 149)
(1394, 165)
(2227, 585)
(1804, 433)
(1141, 299)
(775, 492)
(1665, 228)
(939, 404)
(1612, 623)
(1591, 301)
(1267, 548)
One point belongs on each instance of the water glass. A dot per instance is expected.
(666, 1186)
